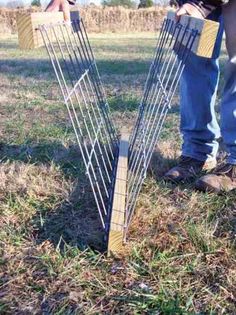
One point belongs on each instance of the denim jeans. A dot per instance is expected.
(198, 91)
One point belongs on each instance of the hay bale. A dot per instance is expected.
(100, 19)
(120, 19)
(8, 18)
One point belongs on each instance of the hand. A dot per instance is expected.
(59, 5)
(188, 9)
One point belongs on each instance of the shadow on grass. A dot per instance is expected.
(28, 67)
(123, 67)
(160, 165)
(75, 221)
(125, 44)
(9, 45)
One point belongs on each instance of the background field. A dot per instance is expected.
(181, 256)
(99, 19)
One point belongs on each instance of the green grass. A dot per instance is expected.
(181, 252)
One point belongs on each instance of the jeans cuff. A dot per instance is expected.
(199, 158)
(231, 160)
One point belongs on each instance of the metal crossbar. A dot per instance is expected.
(75, 68)
(160, 88)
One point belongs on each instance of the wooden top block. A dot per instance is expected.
(207, 33)
(27, 25)
(42, 17)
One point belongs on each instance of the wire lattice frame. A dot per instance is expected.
(75, 68)
(160, 88)
(117, 168)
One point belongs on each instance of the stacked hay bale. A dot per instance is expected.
(8, 19)
(120, 19)
(100, 19)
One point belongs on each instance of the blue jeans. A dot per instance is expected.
(198, 91)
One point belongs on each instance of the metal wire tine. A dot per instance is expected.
(163, 67)
(147, 146)
(98, 124)
(96, 82)
(99, 163)
(149, 155)
(85, 61)
(158, 58)
(159, 129)
(81, 42)
(105, 130)
(61, 43)
(108, 127)
(91, 142)
(174, 81)
(81, 79)
(179, 73)
(63, 27)
(94, 75)
(63, 56)
(96, 134)
(148, 132)
(54, 61)
(79, 45)
(54, 65)
(87, 40)
(69, 51)
(148, 81)
(161, 70)
(151, 68)
(149, 87)
(84, 56)
(170, 25)
(91, 56)
(74, 47)
(151, 108)
(70, 34)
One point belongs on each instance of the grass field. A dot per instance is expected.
(181, 256)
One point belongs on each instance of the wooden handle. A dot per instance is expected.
(207, 33)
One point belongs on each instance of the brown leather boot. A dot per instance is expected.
(222, 179)
(188, 168)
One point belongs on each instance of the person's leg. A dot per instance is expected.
(224, 177)
(228, 105)
(198, 126)
(198, 91)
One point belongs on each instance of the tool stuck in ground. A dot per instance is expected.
(116, 166)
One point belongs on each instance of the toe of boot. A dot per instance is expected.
(174, 175)
(208, 183)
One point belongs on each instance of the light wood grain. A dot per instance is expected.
(29, 36)
(207, 33)
(115, 238)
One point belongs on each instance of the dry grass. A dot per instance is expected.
(181, 255)
(99, 19)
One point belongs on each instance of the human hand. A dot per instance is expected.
(188, 9)
(59, 5)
